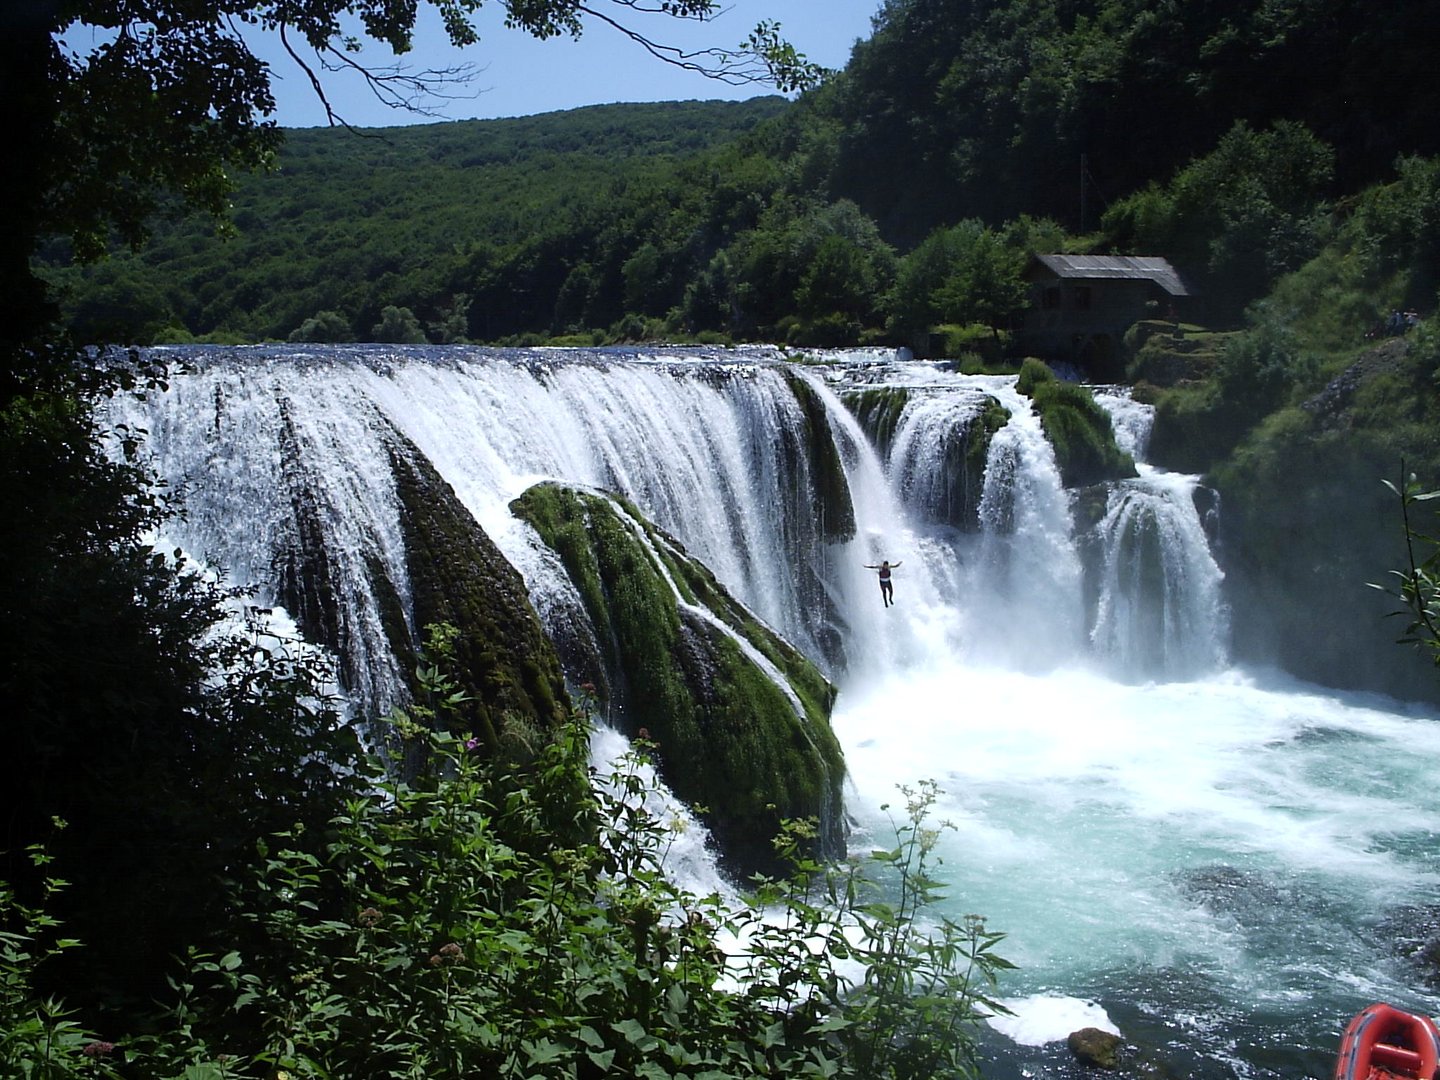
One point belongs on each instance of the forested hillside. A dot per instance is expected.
(1280, 154)
(351, 221)
(959, 108)
(901, 196)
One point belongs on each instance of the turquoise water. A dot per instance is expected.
(1223, 870)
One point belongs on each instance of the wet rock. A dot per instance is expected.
(1095, 1047)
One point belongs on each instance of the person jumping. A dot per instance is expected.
(887, 588)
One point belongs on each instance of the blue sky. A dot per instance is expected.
(519, 76)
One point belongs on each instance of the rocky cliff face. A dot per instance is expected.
(456, 575)
(740, 719)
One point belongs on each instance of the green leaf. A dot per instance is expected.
(772, 1035)
(602, 1058)
(589, 1036)
(543, 1052)
(633, 1031)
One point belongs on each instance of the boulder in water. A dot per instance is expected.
(1092, 1046)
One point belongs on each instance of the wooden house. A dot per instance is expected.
(1081, 305)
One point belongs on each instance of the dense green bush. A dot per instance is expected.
(398, 325)
(325, 326)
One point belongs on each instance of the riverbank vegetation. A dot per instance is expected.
(513, 918)
(178, 786)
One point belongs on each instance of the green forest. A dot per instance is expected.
(903, 194)
(494, 914)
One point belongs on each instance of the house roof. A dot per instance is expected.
(1132, 267)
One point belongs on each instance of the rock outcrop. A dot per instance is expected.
(739, 717)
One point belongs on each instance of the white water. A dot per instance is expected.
(1211, 860)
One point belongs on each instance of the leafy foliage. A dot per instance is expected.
(1417, 586)
(993, 108)
(484, 920)
(165, 735)
(1240, 217)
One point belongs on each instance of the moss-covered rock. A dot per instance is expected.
(731, 741)
(966, 449)
(458, 576)
(827, 472)
(965, 465)
(878, 410)
(1078, 428)
(1165, 354)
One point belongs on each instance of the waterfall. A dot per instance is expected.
(1159, 609)
(1218, 861)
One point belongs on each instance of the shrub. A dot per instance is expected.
(484, 922)
(398, 326)
(324, 327)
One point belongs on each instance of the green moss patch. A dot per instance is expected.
(729, 739)
(878, 411)
(1078, 428)
(458, 576)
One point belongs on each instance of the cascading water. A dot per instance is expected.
(1224, 864)
(1159, 605)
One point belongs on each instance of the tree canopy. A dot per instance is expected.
(170, 98)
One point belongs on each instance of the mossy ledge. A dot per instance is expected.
(967, 448)
(730, 741)
(1078, 429)
(458, 576)
(827, 472)
(877, 410)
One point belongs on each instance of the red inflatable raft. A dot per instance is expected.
(1383, 1043)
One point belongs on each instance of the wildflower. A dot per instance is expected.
(588, 688)
(368, 917)
(644, 734)
(449, 953)
(472, 743)
(98, 1049)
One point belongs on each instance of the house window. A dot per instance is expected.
(1050, 299)
(1082, 297)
